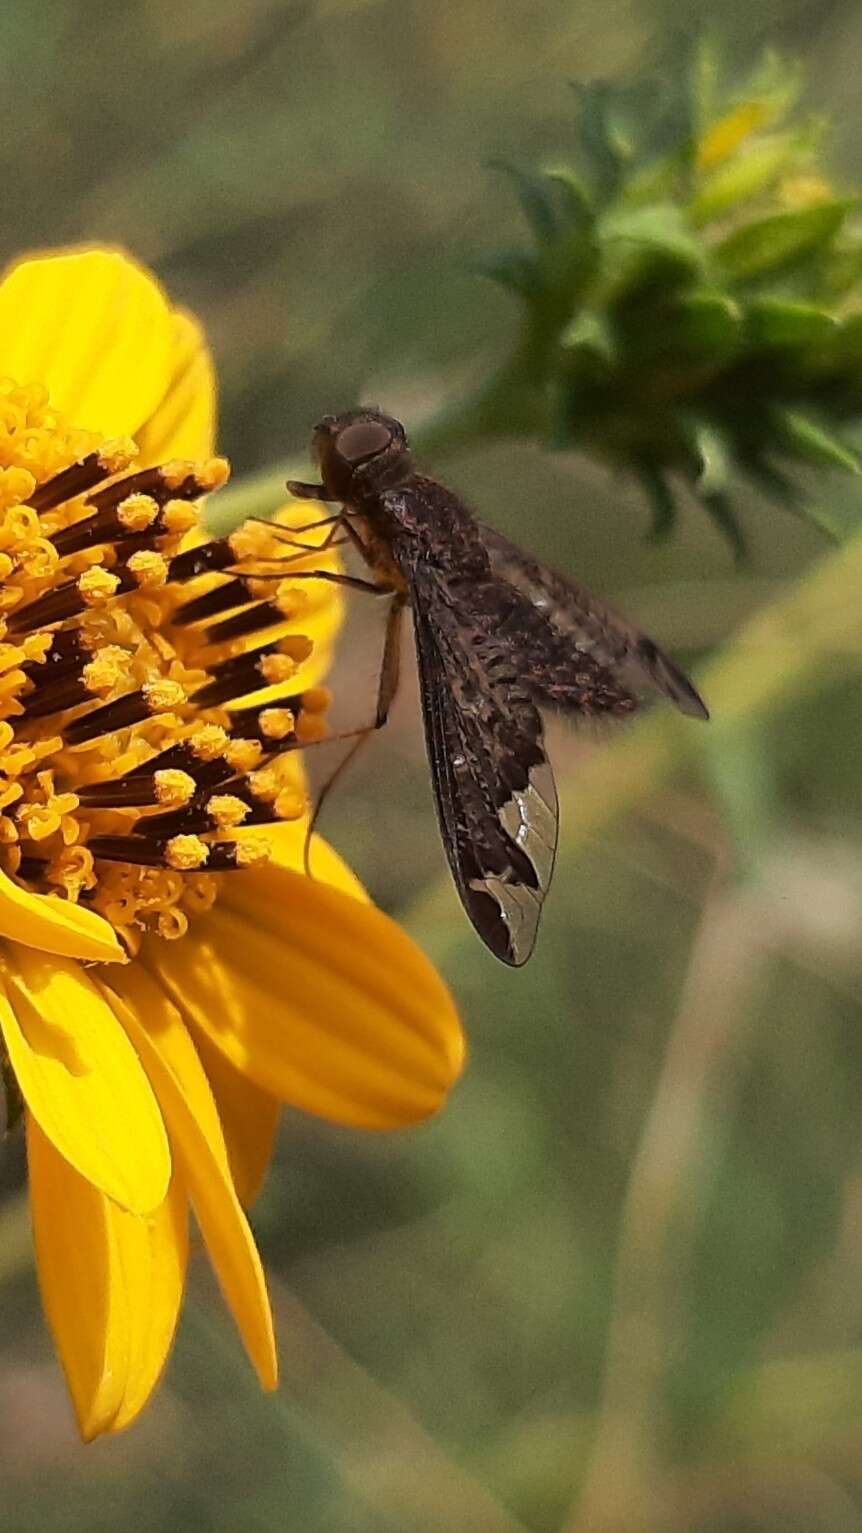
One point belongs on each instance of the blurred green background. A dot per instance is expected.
(619, 1284)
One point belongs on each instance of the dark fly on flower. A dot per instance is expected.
(499, 637)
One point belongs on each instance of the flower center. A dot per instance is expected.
(147, 716)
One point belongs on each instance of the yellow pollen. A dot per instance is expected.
(252, 850)
(276, 668)
(213, 474)
(208, 741)
(265, 783)
(174, 787)
(289, 804)
(316, 700)
(186, 853)
(210, 475)
(137, 512)
(118, 454)
(176, 471)
(296, 645)
(289, 599)
(243, 755)
(107, 669)
(148, 567)
(97, 585)
(252, 540)
(178, 516)
(227, 811)
(162, 696)
(276, 723)
(311, 727)
(36, 646)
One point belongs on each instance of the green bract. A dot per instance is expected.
(692, 298)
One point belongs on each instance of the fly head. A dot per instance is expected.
(361, 453)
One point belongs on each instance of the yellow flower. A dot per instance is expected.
(167, 976)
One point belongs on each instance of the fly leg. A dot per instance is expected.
(387, 689)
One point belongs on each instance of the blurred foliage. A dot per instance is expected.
(617, 1285)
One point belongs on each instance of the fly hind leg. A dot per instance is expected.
(387, 690)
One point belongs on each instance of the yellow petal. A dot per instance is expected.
(56, 925)
(249, 1118)
(287, 840)
(183, 424)
(723, 137)
(151, 1260)
(111, 1286)
(96, 329)
(320, 999)
(76, 1261)
(180, 1083)
(81, 1078)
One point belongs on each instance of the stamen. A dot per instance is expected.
(153, 697)
(111, 458)
(148, 568)
(184, 853)
(165, 786)
(135, 823)
(134, 515)
(207, 558)
(177, 480)
(230, 594)
(92, 589)
(68, 650)
(267, 666)
(265, 614)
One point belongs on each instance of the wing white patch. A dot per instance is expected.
(530, 818)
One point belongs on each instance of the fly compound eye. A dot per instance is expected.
(362, 440)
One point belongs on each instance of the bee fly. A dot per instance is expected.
(499, 636)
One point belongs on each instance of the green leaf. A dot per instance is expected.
(719, 508)
(662, 501)
(813, 442)
(573, 194)
(842, 270)
(514, 270)
(712, 458)
(782, 322)
(770, 244)
(590, 335)
(605, 141)
(705, 323)
(712, 481)
(535, 198)
(659, 227)
(845, 348)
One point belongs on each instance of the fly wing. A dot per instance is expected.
(588, 627)
(493, 786)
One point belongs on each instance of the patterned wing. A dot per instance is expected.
(585, 627)
(494, 790)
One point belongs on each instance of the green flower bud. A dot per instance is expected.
(691, 299)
